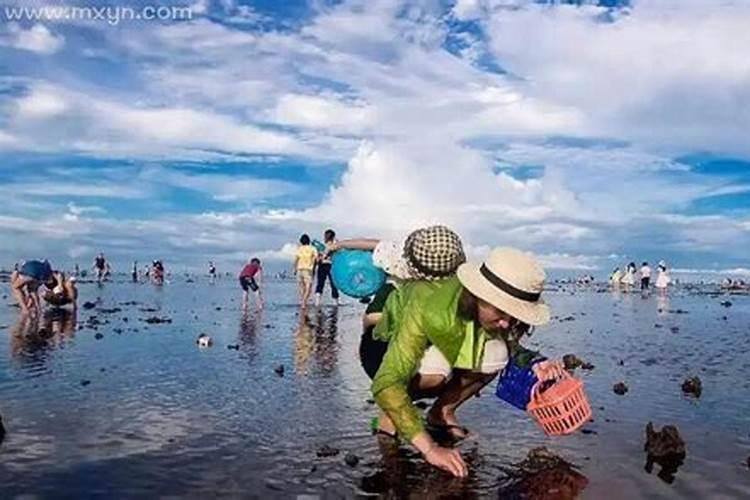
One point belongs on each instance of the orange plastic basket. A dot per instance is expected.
(562, 408)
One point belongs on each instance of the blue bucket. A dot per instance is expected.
(515, 384)
(354, 274)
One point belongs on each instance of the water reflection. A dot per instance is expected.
(326, 343)
(31, 337)
(248, 333)
(303, 343)
(542, 476)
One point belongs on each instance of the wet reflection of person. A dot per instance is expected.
(326, 344)
(303, 343)
(31, 335)
(247, 336)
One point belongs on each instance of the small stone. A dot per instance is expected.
(102, 370)
(588, 431)
(726, 303)
(234, 347)
(89, 305)
(279, 370)
(218, 308)
(84, 383)
(620, 388)
(693, 386)
(155, 320)
(621, 362)
(351, 459)
(327, 451)
(98, 336)
(674, 329)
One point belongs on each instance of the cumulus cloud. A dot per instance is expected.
(38, 38)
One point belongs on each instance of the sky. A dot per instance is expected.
(591, 133)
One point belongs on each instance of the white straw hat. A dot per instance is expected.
(510, 280)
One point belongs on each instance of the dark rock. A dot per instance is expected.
(279, 370)
(620, 388)
(724, 318)
(218, 308)
(2, 431)
(693, 386)
(98, 336)
(157, 320)
(621, 362)
(351, 459)
(327, 451)
(665, 442)
(234, 347)
(118, 331)
(149, 309)
(571, 362)
(588, 431)
(674, 329)
(84, 383)
(665, 448)
(726, 303)
(657, 325)
(678, 311)
(110, 311)
(102, 370)
(89, 305)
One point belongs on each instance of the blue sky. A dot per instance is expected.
(589, 132)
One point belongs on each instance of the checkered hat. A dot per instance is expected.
(433, 253)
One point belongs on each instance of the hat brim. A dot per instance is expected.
(533, 313)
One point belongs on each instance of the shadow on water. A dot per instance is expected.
(248, 333)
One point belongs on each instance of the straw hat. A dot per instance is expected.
(510, 280)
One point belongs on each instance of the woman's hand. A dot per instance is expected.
(548, 369)
(447, 459)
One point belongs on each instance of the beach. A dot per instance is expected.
(123, 407)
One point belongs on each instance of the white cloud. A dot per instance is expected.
(42, 102)
(38, 38)
(323, 112)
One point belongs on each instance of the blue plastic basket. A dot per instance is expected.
(354, 274)
(515, 384)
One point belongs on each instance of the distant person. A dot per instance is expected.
(645, 276)
(324, 268)
(251, 278)
(134, 272)
(101, 267)
(77, 271)
(304, 265)
(211, 271)
(157, 272)
(628, 278)
(615, 277)
(662, 277)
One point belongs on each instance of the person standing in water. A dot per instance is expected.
(134, 272)
(324, 268)
(100, 267)
(211, 271)
(305, 261)
(645, 276)
(251, 278)
(662, 278)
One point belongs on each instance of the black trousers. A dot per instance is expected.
(324, 271)
(371, 352)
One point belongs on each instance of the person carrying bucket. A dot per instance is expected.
(450, 338)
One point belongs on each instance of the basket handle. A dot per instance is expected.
(548, 370)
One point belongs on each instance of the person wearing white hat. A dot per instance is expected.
(451, 339)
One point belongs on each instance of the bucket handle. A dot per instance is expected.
(536, 393)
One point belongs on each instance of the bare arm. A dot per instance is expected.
(20, 291)
(356, 244)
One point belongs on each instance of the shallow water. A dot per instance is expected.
(161, 417)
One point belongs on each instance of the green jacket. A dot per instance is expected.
(418, 315)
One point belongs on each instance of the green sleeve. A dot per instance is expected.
(391, 382)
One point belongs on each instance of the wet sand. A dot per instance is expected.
(114, 405)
